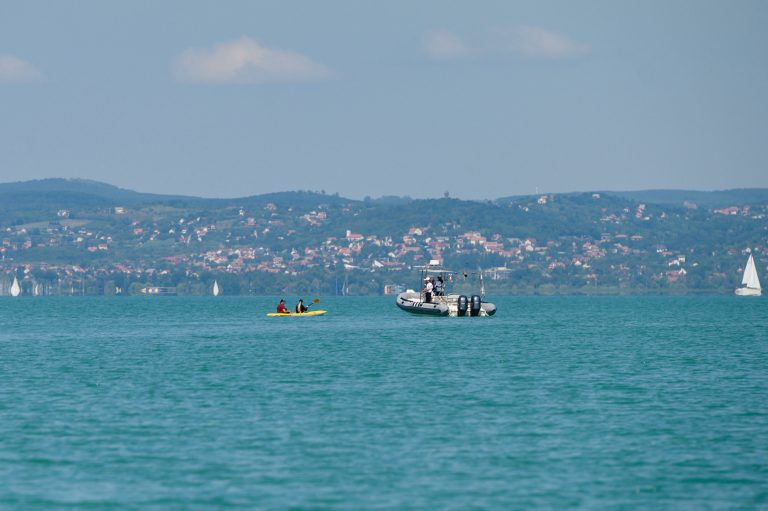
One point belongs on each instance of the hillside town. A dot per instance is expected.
(548, 243)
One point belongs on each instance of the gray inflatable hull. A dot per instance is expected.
(440, 306)
(419, 307)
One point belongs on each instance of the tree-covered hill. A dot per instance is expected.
(711, 199)
(74, 229)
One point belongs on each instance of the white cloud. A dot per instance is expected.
(535, 42)
(14, 69)
(246, 61)
(444, 45)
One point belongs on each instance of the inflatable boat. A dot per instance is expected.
(449, 305)
(438, 303)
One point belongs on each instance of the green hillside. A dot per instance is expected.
(56, 232)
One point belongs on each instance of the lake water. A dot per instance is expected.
(554, 403)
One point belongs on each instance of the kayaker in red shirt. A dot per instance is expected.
(281, 307)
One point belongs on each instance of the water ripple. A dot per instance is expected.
(555, 402)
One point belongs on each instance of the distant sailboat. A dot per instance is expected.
(345, 286)
(15, 288)
(750, 282)
(216, 289)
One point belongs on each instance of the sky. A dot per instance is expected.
(477, 99)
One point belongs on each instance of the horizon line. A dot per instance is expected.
(363, 198)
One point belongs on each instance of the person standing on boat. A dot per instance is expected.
(428, 290)
(281, 309)
(300, 308)
(439, 286)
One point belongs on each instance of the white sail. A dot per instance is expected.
(216, 289)
(15, 288)
(750, 278)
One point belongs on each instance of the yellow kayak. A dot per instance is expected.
(294, 314)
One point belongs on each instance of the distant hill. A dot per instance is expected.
(39, 198)
(81, 189)
(68, 193)
(59, 193)
(713, 199)
(718, 198)
(646, 241)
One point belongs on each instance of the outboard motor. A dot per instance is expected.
(463, 305)
(474, 305)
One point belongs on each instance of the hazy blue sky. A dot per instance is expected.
(481, 99)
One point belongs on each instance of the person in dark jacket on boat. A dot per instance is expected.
(300, 308)
(281, 308)
(439, 286)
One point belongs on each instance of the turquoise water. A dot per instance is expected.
(561, 402)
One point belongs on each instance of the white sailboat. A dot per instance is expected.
(15, 288)
(345, 286)
(750, 283)
(216, 289)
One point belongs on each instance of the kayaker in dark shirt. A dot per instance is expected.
(300, 309)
